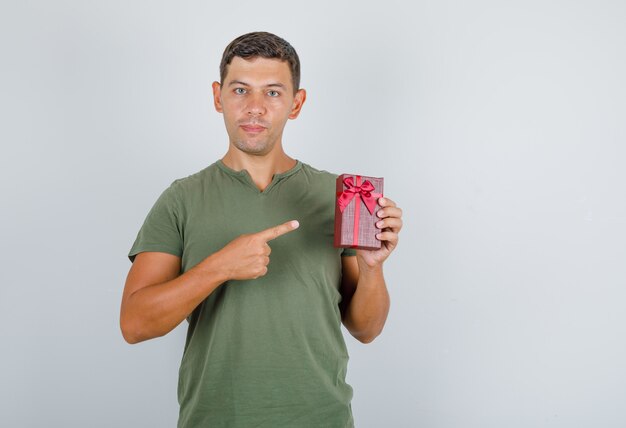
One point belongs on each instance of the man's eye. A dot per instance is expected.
(240, 91)
(273, 93)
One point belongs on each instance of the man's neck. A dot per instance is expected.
(261, 168)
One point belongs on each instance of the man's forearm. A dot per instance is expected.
(155, 310)
(367, 312)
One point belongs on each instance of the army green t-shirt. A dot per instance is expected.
(267, 352)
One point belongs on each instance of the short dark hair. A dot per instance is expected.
(265, 45)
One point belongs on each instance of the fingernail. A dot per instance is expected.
(378, 236)
(295, 224)
(379, 224)
(379, 213)
(382, 200)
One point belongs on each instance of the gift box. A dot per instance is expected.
(355, 211)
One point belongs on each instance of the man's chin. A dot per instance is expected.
(255, 149)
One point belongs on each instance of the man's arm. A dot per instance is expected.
(365, 300)
(157, 298)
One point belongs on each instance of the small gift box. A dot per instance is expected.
(355, 211)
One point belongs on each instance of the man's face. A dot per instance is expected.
(256, 98)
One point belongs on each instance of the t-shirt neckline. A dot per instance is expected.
(243, 174)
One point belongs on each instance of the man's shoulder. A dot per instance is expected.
(194, 180)
(184, 189)
(319, 174)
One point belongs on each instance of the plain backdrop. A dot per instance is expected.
(498, 126)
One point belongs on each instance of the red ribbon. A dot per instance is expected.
(363, 191)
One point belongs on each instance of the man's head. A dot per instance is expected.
(258, 92)
(264, 45)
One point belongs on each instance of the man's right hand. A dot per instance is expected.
(247, 256)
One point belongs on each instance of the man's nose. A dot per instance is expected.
(256, 105)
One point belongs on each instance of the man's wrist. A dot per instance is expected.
(213, 269)
(366, 270)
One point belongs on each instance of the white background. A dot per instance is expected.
(498, 126)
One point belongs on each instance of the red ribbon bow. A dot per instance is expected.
(363, 190)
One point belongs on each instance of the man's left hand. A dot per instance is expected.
(390, 224)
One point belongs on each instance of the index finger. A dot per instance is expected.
(280, 230)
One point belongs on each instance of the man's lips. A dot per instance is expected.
(252, 128)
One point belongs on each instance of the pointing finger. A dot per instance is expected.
(276, 231)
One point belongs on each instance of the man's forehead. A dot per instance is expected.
(258, 71)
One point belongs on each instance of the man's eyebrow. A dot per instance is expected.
(239, 82)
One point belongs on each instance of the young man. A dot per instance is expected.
(244, 251)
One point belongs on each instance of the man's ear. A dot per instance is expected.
(217, 96)
(298, 101)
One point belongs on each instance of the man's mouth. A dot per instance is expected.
(252, 129)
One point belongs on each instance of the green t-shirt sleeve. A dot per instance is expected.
(348, 252)
(161, 230)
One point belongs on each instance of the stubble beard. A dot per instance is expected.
(258, 148)
(253, 146)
